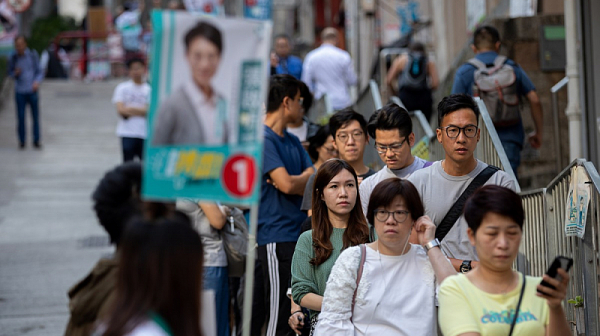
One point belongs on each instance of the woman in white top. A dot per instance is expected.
(397, 287)
(159, 280)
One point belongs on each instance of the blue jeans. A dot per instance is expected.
(22, 100)
(217, 280)
(512, 139)
(132, 148)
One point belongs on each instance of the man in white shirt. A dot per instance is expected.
(131, 100)
(328, 69)
(391, 127)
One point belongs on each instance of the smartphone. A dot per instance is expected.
(559, 262)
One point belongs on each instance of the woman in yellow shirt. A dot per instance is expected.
(484, 301)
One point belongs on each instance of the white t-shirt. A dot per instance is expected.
(368, 184)
(396, 295)
(299, 132)
(212, 113)
(132, 95)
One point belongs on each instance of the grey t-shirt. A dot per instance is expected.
(439, 191)
(307, 197)
(368, 184)
(214, 252)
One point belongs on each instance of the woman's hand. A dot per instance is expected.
(554, 296)
(425, 229)
(296, 321)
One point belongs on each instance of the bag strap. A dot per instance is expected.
(456, 210)
(477, 63)
(514, 321)
(499, 61)
(361, 266)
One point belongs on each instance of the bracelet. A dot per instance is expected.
(297, 311)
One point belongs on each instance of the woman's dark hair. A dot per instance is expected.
(417, 47)
(316, 141)
(390, 117)
(207, 31)
(342, 117)
(454, 103)
(306, 96)
(386, 191)
(117, 198)
(493, 198)
(281, 86)
(160, 272)
(357, 231)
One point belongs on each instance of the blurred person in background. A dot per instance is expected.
(129, 25)
(320, 147)
(285, 62)
(301, 127)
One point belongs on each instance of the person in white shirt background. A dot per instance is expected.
(329, 69)
(131, 99)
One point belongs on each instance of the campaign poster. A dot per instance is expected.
(209, 85)
(578, 202)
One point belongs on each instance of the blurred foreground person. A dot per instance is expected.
(493, 299)
(159, 280)
(387, 287)
(116, 201)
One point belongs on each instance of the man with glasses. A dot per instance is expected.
(442, 184)
(391, 128)
(349, 131)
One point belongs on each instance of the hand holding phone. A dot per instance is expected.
(559, 262)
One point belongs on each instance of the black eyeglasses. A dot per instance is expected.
(470, 131)
(383, 215)
(395, 148)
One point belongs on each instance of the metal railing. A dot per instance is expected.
(544, 238)
(369, 100)
(554, 91)
(320, 110)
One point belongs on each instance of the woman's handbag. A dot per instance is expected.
(235, 241)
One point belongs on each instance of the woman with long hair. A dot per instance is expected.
(493, 299)
(387, 287)
(159, 280)
(337, 223)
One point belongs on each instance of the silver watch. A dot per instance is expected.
(431, 245)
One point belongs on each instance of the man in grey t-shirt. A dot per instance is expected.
(391, 128)
(441, 184)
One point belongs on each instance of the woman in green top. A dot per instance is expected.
(337, 223)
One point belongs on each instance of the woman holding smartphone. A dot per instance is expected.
(337, 223)
(486, 300)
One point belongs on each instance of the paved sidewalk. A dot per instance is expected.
(49, 236)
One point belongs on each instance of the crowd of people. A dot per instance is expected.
(416, 248)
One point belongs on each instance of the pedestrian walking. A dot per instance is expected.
(493, 299)
(337, 223)
(131, 99)
(387, 287)
(24, 68)
(285, 62)
(329, 70)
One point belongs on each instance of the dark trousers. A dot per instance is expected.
(276, 269)
(132, 148)
(22, 99)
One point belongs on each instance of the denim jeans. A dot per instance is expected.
(512, 139)
(132, 147)
(217, 280)
(22, 99)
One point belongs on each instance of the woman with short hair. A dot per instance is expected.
(387, 287)
(485, 301)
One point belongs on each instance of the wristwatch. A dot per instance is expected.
(431, 245)
(465, 266)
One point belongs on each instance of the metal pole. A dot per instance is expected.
(573, 111)
(249, 276)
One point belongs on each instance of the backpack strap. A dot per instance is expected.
(456, 210)
(361, 266)
(477, 63)
(499, 61)
(427, 164)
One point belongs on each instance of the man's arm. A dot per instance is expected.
(290, 184)
(12, 64)
(125, 111)
(535, 137)
(351, 78)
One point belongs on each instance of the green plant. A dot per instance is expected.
(578, 301)
(44, 30)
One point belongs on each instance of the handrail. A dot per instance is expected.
(544, 238)
(321, 109)
(554, 91)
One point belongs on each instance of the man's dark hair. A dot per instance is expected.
(207, 31)
(417, 47)
(390, 117)
(456, 102)
(496, 199)
(284, 36)
(117, 198)
(485, 37)
(281, 86)
(306, 96)
(342, 117)
(131, 61)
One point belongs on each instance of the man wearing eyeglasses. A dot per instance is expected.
(391, 128)
(441, 184)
